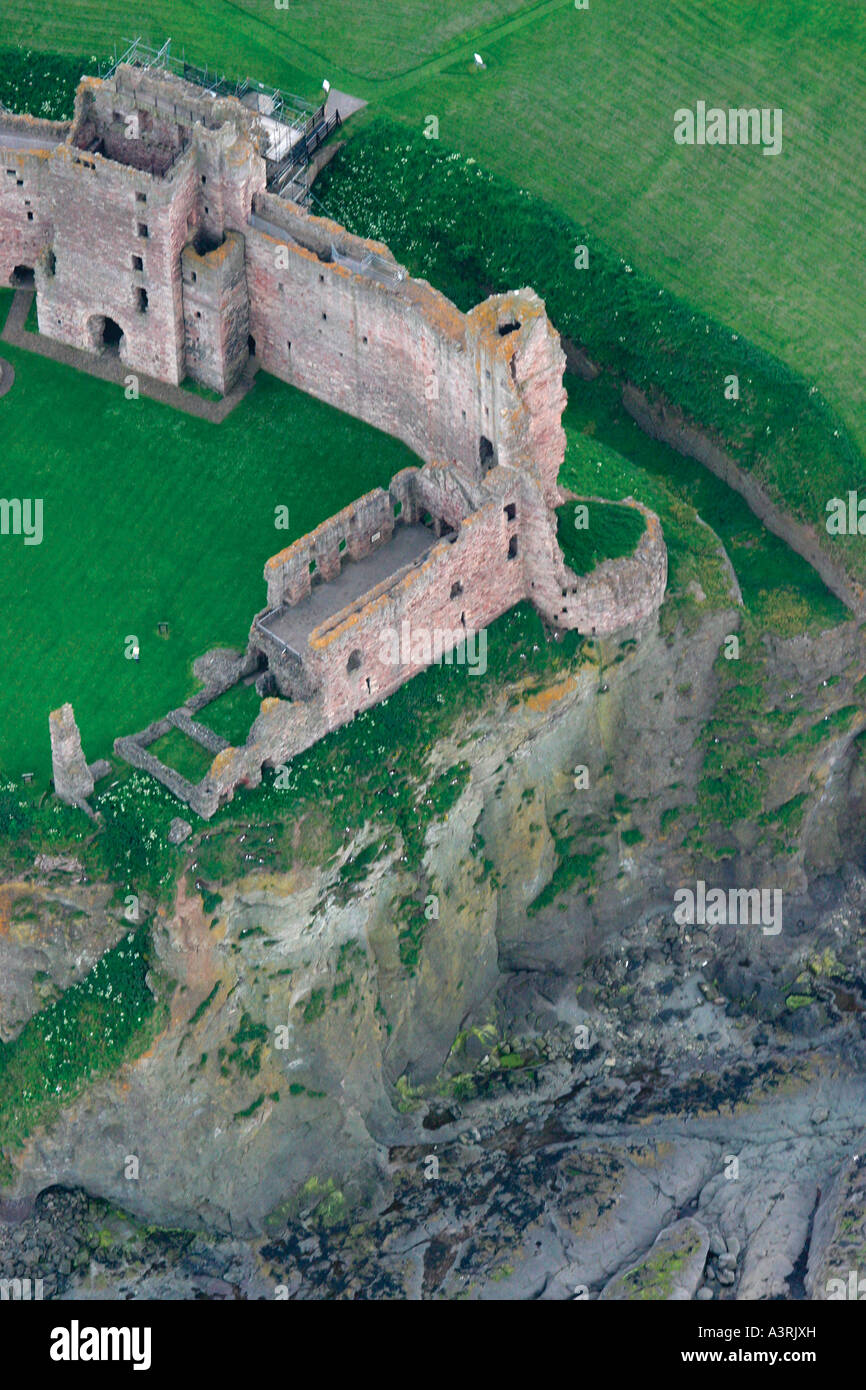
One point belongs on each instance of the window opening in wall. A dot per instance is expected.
(510, 510)
(364, 340)
(456, 589)
(138, 263)
(486, 456)
(512, 548)
(198, 313)
(142, 229)
(204, 178)
(251, 345)
(20, 183)
(23, 277)
(506, 328)
(141, 197)
(30, 217)
(324, 315)
(142, 301)
(354, 662)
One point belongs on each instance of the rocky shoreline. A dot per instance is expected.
(680, 1125)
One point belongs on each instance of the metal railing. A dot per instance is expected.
(286, 106)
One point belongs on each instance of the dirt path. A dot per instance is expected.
(112, 369)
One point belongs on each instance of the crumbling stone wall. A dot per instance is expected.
(153, 214)
(216, 314)
(148, 167)
(26, 223)
(617, 594)
(354, 532)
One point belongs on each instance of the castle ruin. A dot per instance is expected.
(149, 230)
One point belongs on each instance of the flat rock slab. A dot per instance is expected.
(671, 1271)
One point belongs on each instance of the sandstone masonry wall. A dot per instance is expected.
(26, 223)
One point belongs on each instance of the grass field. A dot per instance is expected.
(149, 516)
(606, 533)
(578, 106)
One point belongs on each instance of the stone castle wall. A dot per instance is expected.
(26, 222)
(150, 222)
(353, 532)
(216, 313)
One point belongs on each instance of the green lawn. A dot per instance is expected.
(232, 714)
(187, 757)
(578, 107)
(605, 533)
(149, 516)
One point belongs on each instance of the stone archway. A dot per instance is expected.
(106, 335)
(23, 277)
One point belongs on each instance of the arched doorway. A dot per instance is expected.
(23, 277)
(106, 335)
(112, 335)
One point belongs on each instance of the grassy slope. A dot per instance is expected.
(609, 455)
(150, 516)
(769, 245)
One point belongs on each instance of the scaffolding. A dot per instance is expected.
(294, 128)
(285, 107)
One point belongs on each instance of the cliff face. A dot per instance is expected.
(313, 1004)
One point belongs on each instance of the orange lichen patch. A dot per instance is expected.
(217, 255)
(438, 311)
(552, 695)
(222, 760)
(307, 542)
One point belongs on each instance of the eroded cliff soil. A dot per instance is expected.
(506, 1073)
